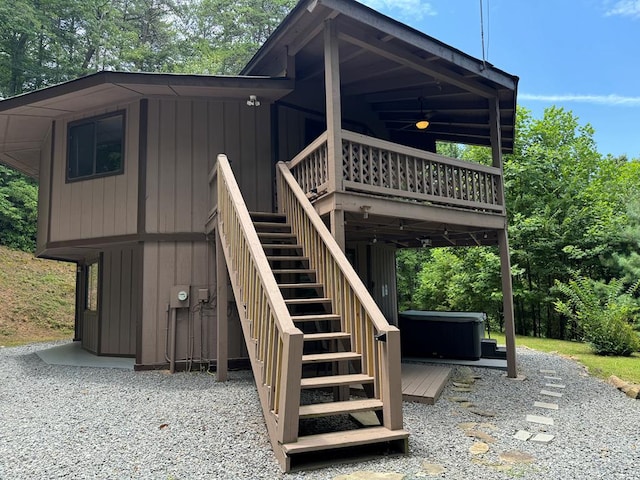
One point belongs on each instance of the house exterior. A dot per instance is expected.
(319, 128)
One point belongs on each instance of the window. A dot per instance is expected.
(95, 147)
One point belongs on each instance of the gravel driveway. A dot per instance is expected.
(79, 422)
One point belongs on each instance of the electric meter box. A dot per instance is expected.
(180, 296)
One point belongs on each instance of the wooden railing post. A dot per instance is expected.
(290, 375)
(391, 379)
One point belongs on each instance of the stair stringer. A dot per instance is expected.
(284, 367)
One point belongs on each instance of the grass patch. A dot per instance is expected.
(626, 368)
(37, 298)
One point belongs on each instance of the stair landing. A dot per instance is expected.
(423, 383)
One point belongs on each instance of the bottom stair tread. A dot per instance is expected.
(333, 408)
(349, 438)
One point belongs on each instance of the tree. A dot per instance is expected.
(18, 210)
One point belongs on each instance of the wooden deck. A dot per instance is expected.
(423, 383)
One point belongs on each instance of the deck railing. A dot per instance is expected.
(371, 335)
(383, 168)
(273, 341)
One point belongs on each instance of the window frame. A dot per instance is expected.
(94, 120)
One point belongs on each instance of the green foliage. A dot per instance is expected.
(43, 42)
(603, 311)
(18, 210)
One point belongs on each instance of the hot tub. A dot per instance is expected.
(427, 334)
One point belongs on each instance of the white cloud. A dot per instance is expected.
(403, 9)
(625, 8)
(610, 100)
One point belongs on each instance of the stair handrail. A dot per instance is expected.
(273, 341)
(371, 334)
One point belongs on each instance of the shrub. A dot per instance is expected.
(604, 312)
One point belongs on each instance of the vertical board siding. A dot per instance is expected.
(184, 138)
(291, 133)
(120, 297)
(97, 207)
(383, 275)
(44, 192)
(178, 263)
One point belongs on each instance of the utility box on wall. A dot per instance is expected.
(180, 296)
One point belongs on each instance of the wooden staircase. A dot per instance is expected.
(330, 366)
(311, 328)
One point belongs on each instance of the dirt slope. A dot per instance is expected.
(36, 298)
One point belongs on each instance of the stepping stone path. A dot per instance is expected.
(550, 390)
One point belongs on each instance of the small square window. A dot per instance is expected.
(95, 147)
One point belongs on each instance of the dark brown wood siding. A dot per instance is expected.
(44, 190)
(121, 292)
(99, 207)
(184, 139)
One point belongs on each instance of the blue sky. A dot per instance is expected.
(583, 55)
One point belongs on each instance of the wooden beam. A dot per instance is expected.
(352, 202)
(503, 243)
(333, 105)
(403, 57)
(222, 321)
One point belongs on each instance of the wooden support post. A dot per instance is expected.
(507, 303)
(503, 243)
(333, 106)
(336, 218)
(221, 312)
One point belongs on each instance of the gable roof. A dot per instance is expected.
(389, 66)
(385, 65)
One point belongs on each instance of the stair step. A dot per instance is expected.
(349, 438)
(330, 357)
(307, 301)
(336, 380)
(337, 408)
(287, 258)
(315, 317)
(282, 246)
(278, 225)
(267, 215)
(276, 235)
(315, 337)
(293, 270)
(284, 286)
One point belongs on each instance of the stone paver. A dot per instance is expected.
(543, 438)
(478, 448)
(522, 435)
(365, 475)
(555, 385)
(549, 393)
(550, 372)
(539, 419)
(433, 469)
(548, 406)
(514, 456)
(556, 379)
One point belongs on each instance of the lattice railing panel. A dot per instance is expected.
(374, 165)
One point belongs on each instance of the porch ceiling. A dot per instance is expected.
(385, 67)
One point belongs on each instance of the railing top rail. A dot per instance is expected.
(307, 150)
(414, 152)
(379, 321)
(274, 295)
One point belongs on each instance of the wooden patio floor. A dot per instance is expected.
(423, 383)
